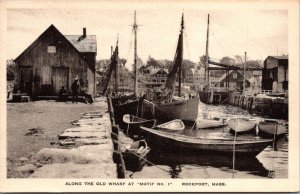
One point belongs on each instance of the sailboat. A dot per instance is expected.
(166, 106)
(124, 104)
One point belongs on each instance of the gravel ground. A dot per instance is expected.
(36, 125)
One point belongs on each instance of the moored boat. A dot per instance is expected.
(210, 123)
(135, 155)
(270, 128)
(174, 125)
(133, 124)
(166, 106)
(241, 125)
(186, 110)
(172, 142)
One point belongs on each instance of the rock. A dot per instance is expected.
(66, 135)
(23, 159)
(81, 155)
(28, 168)
(100, 128)
(92, 141)
(71, 170)
(66, 143)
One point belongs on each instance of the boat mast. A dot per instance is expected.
(244, 80)
(117, 67)
(181, 55)
(206, 75)
(135, 26)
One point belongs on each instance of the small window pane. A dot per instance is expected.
(51, 49)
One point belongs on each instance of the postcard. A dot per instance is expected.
(160, 96)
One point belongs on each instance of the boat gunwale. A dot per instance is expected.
(216, 141)
(141, 122)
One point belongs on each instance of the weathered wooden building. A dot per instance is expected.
(54, 60)
(275, 74)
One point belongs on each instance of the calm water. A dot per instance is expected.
(271, 163)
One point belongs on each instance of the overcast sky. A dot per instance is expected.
(259, 32)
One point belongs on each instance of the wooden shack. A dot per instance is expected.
(54, 60)
(275, 74)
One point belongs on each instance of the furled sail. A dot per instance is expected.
(166, 92)
(113, 66)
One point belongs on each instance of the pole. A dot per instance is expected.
(206, 53)
(117, 68)
(181, 57)
(135, 57)
(244, 80)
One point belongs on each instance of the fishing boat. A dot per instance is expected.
(172, 142)
(174, 125)
(134, 123)
(165, 107)
(270, 128)
(124, 104)
(241, 125)
(135, 155)
(210, 123)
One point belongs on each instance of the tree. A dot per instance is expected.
(227, 61)
(202, 60)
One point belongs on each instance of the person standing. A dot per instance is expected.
(75, 90)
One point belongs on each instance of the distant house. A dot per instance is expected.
(54, 60)
(235, 81)
(275, 74)
(194, 77)
(156, 77)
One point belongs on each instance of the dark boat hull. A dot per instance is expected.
(186, 110)
(135, 159)
(133, 129)
(180, 143)
(129, 107)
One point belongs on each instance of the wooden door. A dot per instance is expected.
(26, 80)
(60, 77)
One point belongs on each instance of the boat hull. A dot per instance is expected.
(186, 110)
(130, 107)
(171, 142)
(135, 159)
(241, 125)
(269, 129)
(208, 123)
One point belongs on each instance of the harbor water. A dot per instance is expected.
(272, 162)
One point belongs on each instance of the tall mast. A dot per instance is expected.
(244, 80)
(117, 66)
(206, 53)
(181, 53)
(135, 26)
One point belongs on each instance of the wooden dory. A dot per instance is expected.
(241, 125)
(271, 128)
(135, 155)
(210, 123)
(172, 142)
(133, 124)
(174, 125)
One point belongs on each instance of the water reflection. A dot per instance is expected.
(249, 164)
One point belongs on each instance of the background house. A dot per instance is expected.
(275, 74)
(54, 60)
(156, 76)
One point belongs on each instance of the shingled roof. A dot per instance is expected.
(83, 45)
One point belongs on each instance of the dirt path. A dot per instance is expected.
(36, 125)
